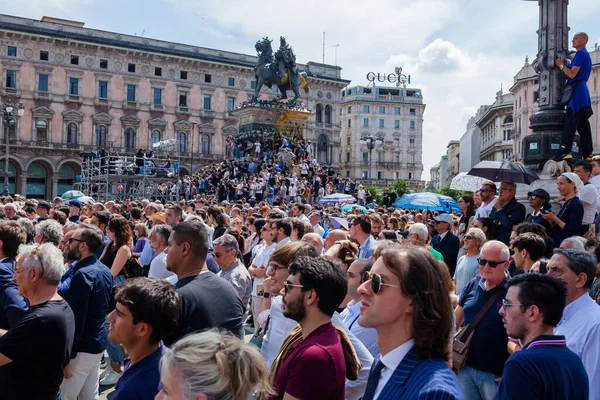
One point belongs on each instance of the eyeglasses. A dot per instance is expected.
(271, 268)
(287, 285)
(376, 283)
(78, 240)
(483, 190)
(532, 197)
(507, 305)
(492, 264)
(469, 237)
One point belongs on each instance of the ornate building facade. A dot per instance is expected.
(496, 127)
(394, 114)
(85, 90)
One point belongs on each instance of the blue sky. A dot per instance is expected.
(458, 52)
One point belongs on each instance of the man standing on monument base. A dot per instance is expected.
(579, 108)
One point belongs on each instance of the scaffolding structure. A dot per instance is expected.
(109, 176)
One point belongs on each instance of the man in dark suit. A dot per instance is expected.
(507, 212)
(12, 305)
(445, 241)
(404, 287)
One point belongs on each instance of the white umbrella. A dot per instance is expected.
(337, 198)
(72, 194)
(467, 183)
(338, 222)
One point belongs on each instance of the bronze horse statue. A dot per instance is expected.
(278, 69)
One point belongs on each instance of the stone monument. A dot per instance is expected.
(274, 121)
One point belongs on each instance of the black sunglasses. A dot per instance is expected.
(492, 264)
(77, 240)
(469, 237)
(376, 283)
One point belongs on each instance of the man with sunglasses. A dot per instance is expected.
(545, 368)
(487, 194)
(315, 368)
(507, 211)
(87, 287)
(408, 304)
(488, 352)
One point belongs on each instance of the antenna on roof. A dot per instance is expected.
(323, 47)
(336, 49)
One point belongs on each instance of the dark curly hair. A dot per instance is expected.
(419, 275)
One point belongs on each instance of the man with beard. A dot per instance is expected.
(87, 287)
(311, 294)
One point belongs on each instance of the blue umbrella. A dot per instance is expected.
(427, 201)
(349, 207)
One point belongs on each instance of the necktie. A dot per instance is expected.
(373, 381)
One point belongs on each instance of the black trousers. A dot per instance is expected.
(580, 124)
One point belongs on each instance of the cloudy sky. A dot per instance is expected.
(459, 52)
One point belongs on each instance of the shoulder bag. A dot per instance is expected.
(568, 92)
(463, 338)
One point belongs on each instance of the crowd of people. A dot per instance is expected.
(250, 287)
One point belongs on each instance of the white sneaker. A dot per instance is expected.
(111, 378)
(104, 372)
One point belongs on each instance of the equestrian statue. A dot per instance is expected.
(278, 69)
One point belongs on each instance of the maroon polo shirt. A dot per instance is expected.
(314, 369)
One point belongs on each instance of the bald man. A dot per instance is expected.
(579, 108)
(333, 236)
(315, 239)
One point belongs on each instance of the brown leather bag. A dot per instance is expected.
(463, 338)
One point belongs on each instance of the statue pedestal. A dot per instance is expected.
(550, 173)
(270, 119)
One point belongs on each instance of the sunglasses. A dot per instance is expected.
(287, 285)
(469, 237)
(533, 197)
(483, 190)
(492, 264)
(76, 240)
(376, 283)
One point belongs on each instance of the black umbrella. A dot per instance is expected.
(498, 171)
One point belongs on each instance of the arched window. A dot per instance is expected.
(322, 149)
(155, 137)
(101, 136)
(319, 114)
(328, 114)
(205, 144)
(508, 119)
(72, 133)
(66, 179)
(41, 130)
(181, 142)
(129, 138)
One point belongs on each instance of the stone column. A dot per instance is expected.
(54, 191)
(21, 184)
(547, 124)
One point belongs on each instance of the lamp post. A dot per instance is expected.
(370, 141)
(9, 115)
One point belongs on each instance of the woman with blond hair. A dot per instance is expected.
(213, 365)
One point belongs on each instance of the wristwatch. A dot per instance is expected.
(266, 295)
(562, 67)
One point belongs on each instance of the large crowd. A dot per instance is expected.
(246, 284)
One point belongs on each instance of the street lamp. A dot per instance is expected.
(370, 141)
(9, 115)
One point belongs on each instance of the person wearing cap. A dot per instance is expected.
(507, 211)
(445, 241)
(74, 210)
(568, 221)
(588, 196)
(539, 201)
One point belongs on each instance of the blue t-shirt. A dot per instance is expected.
(141, 380)
(544, 369)
(581, 97)
(488, 351)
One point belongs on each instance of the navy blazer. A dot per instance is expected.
(511, 213)
(449, 247)
(420, 379)
(12, 305)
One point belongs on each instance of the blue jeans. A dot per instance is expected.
(477, 385)
(113, 349)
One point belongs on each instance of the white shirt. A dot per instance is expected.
(485, 210)
(304, 219)
(158, 268)
(361, 194)
(580, 325)
(391, 361)
(282, 242)
(368, 336)
(595, 180)
(442, 235)
(260, 261)
(589, 194)
(280, 327)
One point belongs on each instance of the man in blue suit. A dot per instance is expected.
(408, 304)
(445, 241)
(12, 305)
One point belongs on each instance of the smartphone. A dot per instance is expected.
(260, 290)
(544, 211)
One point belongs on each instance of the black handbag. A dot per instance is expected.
(257, 338)
(568, 92)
